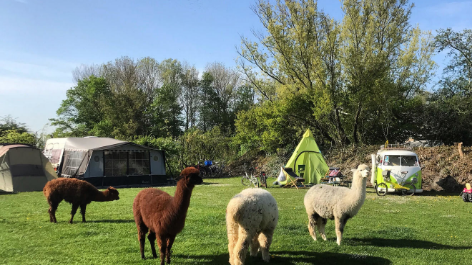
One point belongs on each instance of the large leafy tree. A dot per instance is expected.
(459, 47)
(345, 69)
(84, 108)
(448, 115)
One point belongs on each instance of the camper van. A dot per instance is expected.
(396, 168)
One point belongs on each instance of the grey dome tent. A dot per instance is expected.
(23, 168)
(106, 161)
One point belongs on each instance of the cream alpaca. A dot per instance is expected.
(251, 218)
(324, 202)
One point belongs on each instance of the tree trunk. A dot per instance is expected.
(356, 124)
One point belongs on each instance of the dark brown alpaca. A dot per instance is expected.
(162, 215)
(77, 192)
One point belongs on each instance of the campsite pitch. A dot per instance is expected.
(424, 229)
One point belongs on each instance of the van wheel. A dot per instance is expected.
(381, 189)
(410, 192)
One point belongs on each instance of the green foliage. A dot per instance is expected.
(172, 149)
(165, 110)
(447, 116)
(84, 107)
(459, 46)
(14, 132)
(269, 126)
(8, 123)
(198, 146)
(16, 137)
(354, 73)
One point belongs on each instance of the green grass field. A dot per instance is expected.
(424, 229)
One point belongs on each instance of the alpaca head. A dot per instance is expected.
(191, 176)
(113, 194)
(363, 170)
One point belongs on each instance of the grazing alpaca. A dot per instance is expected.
(77, 192)
(251, 218)
(162, 215)
(324, 202)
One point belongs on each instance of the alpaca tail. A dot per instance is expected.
(46, 190)
(234, 210)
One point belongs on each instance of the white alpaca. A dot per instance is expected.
(324, 202)
(251, 218)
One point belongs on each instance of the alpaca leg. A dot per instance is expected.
(83, 207)
(170, 242)
(240, 250)
(340, 223)
(152, 240)
(312, 225)
(232, 229)
(321, 223)
(52, 211)
(254, 246)
(162, 241)
(142, 230)
(72, 213)
(265, 240)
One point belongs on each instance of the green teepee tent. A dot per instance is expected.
(308, 155)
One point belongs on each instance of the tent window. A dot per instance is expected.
(72, 162)
(55, 156)
(139, 163)
(115, 163)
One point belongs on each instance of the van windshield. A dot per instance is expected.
(396, 160)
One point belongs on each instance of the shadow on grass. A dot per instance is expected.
(437, 194)
(6, 193)
(402, 243)
(292, 257)
(111, 221)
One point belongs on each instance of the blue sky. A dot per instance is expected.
(41, 42)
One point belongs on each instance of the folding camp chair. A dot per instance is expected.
(292, 179)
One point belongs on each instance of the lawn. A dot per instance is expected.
(424, 229)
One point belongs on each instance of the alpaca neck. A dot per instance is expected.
(181, 200)
(101, 196)
(359, 187)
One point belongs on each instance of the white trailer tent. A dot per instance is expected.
(23, 168)
(53, 150)
(110, 162)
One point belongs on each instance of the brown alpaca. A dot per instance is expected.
(77, 192)
(162, 215)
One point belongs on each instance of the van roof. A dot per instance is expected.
(396, 152)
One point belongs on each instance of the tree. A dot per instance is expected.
(448, 115)
(85, 107)
(459, 45)
(8, 123)
(189, 95)
(166, 118)
(14, 132)
(346, 69)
